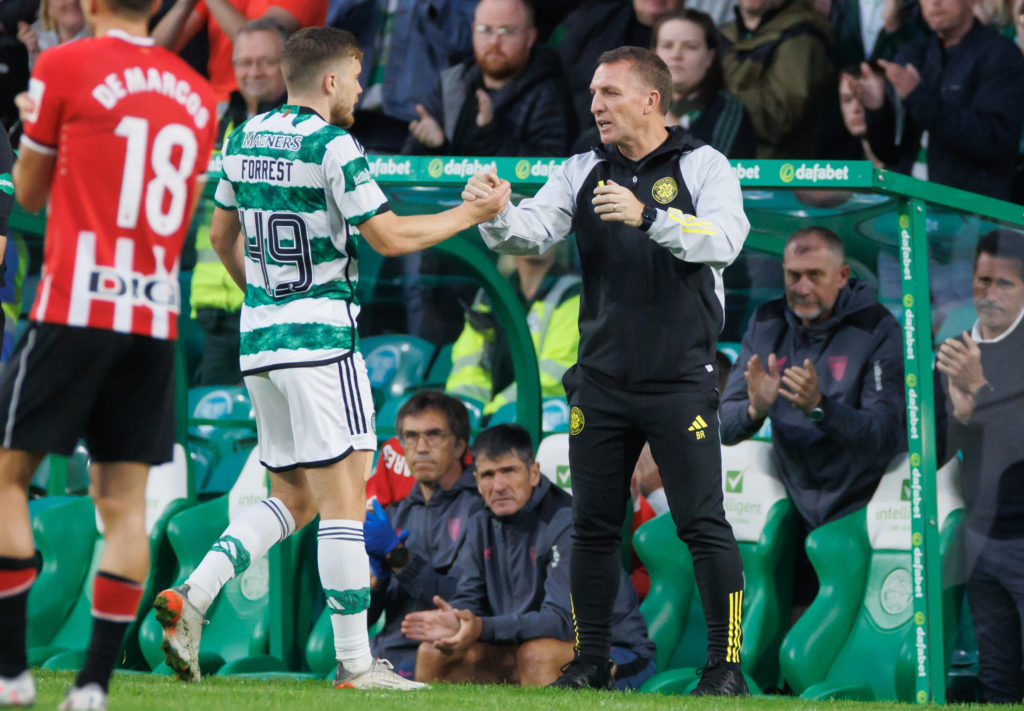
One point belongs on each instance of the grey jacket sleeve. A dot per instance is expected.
(471, 588)
(876, 425)
(553, 620)
(735, 423)
(421, 581)
(715, 234)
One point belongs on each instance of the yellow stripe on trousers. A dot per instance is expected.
(732, 653)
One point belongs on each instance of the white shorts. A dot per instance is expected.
(312, 416)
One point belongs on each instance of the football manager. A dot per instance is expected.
(657, 217)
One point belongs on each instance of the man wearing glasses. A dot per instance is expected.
(507, 101)
(412, 547)
(216, 299)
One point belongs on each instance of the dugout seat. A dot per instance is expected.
(386, 416)
(73, 471)
(395, 363)
(854, 641)
(553, 455)
(440, 368)
(238, 619)
(765, 524)
(554, 415)
(221, 418)
(69, 538)
(219, 480)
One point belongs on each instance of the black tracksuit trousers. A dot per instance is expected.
(608, 429)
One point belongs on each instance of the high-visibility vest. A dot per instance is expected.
(553, 320)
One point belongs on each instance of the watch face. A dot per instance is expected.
(816, 415)
(399, 557)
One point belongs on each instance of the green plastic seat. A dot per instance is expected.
(764, 523)
(396, 363)
(64, 532)
(69, 536)
(475, 410)
(440, 368)
(386, 416)
(238, 619)
(219, 480)
(553, 456)
(554, 415)
(75, 474)
(221, 417)
(855, 641)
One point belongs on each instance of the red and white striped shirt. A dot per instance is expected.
(131, 127)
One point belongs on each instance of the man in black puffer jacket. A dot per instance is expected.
(509, 100)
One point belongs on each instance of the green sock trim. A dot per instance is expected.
(348, 602)
(235, 551)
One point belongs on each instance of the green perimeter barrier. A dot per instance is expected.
(866, 228)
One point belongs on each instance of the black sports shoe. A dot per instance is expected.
(720, 678)
(580, 674)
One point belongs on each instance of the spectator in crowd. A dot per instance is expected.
(687, 41)
(412, 545)
(826, 364)
(856, 146)
(406, 46)
(510, 618)
(964, 86)
(856, 125)
(985, 386)
(507, 101)
(59, 21)
(13, 55)
(223, 20)
(776, 58)
(863, 31)
(550, 14)
(216, 299)
(594, 28)
(481, 363)
(998, 14)
(875, 30)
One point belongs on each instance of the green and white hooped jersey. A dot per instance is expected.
(301, 187)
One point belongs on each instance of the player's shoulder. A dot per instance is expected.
(67, 61)
(339, 143)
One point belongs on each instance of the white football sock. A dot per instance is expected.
(345, 575)
(246, 540)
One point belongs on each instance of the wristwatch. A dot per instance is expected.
(647, 217)
(398, 557)
(818, 413)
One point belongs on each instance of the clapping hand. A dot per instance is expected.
(762, 386)
(801, 386)
(426, 129)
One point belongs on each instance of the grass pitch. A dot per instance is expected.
(153, 692)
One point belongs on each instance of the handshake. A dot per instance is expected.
(486, 195)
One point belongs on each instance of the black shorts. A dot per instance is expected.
(115, 390)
